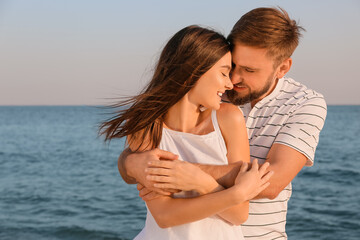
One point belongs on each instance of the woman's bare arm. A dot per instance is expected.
(233, 128)
(169, 212)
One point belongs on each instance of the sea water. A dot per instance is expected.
(59, 180)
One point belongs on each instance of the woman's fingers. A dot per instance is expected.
(158, 171)
(162, 164)
(244, 167)
(262, 188)
(166, 186)
(255, 165)
(267, 176)
(165, 155)
(156, 178)
(263, 168)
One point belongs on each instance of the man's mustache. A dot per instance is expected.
(241, 85)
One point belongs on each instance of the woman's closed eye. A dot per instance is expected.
(224, 75)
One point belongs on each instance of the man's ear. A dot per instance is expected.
(284, 67)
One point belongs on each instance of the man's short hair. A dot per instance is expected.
(269, 28)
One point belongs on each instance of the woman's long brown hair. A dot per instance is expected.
(185, 58)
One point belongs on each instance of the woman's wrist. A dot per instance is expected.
(238, 194)
(211, 186)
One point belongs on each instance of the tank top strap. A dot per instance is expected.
(215, 122)
(218, 132)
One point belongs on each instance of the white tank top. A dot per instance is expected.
(206, 149)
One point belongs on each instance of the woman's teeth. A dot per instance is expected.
(220, 94)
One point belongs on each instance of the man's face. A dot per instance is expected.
(253, 75)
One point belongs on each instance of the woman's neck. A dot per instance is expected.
(184, 116)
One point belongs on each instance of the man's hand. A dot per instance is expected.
(134, 164)
(146, 194)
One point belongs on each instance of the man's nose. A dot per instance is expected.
(229, 85)
(235, 77)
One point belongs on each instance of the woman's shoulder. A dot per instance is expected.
(229, 113)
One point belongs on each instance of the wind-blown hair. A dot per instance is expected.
(185, 58)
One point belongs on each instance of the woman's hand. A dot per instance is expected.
(253, 181)
(180, 175)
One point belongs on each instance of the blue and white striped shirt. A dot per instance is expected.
(292, 115)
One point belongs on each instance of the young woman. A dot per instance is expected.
(181, 111)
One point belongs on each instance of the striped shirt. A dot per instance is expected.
(292, 115)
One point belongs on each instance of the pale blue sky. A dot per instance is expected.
(75, 52)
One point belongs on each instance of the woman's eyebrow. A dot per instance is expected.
(226, 66)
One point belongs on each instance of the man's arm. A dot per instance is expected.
(224, 174)
(294, 147)
(122, 169)
(132, 165)
(284, 161)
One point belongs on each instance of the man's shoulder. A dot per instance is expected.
(297, 87)
(300, 93)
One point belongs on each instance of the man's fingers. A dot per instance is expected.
(172, 190)
(139, 186)
(165, 155)
(144, 192)
(151, 196)
(161, 192)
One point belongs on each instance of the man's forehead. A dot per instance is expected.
(251, 57)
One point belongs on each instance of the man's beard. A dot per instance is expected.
(235, 98)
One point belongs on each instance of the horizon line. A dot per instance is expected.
(99, 105)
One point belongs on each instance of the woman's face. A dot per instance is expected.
(212, 84)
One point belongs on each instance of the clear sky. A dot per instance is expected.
(83, 52)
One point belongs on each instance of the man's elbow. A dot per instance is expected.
(271, 193)
(236, 219)
(122, 171)
(162, 224)
(163, 220)
(240, 220)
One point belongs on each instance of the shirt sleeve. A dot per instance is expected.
(301, 131)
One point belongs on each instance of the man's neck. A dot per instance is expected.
(271, 89)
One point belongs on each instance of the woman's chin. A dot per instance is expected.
(208, 106)
(216, 107)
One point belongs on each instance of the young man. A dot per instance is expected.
(283, 117)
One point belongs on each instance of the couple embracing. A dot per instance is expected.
(218, 134)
